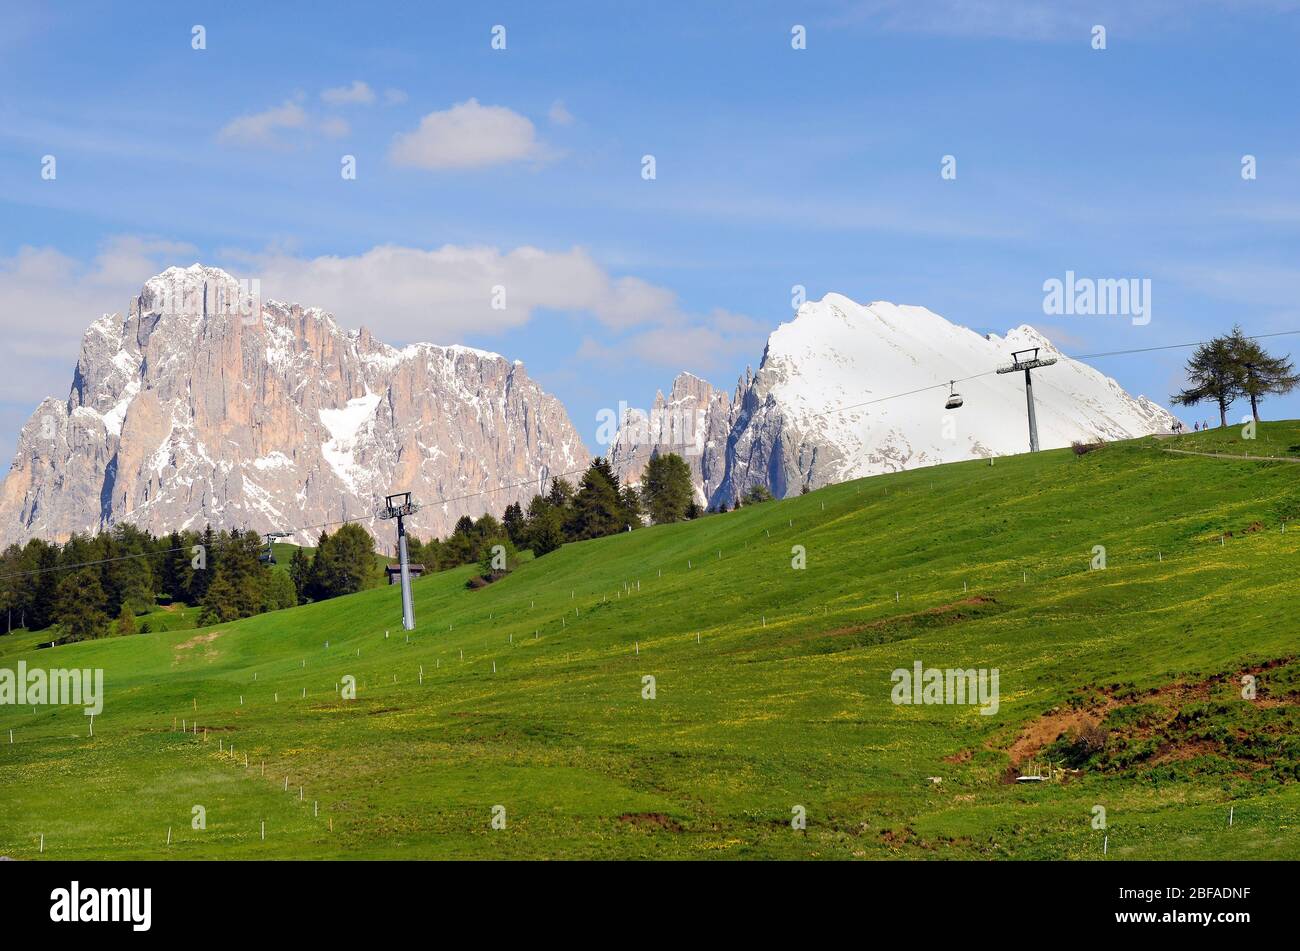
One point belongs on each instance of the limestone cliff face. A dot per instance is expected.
(205, 404)
(693, 422)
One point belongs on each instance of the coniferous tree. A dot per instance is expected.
(38, 610)
(561, 494)
(79, 598)
(219, 601)
(14, 585)
(547, 532)
(543, 526)
(354, 567)
(486, 529)
(463, 542)
(202, 577)
(1262, 374)
(1215, 376)
(279, 590)
(128, 576)
(300, 574)
(596, 509)
(513, 522)
(629, 500)
(344, 563)
(666, 488)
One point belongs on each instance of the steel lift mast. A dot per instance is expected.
(1027, 364)
(399, 506)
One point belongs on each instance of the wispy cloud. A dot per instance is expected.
(260, 128)
(559, 114)
(280, 126)
(358, 93)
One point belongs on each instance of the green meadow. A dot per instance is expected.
(1123, 687)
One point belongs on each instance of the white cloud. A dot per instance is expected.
(467, 135)
(260, 128)
(559, 114)
(412, 294)
(394, 97)
(358, 93)
(48, 299)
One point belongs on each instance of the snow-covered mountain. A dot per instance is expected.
(801, 419)
(206, 405)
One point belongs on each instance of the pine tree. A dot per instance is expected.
(630, 503)
(344, 563)
(201, 578)
(1262, 374)
(279, 590)
(15, 585)
(125, 621)
(546, 531)
(666, 488)
(38, 611)
(596, 508)
(486, 529)
(300, 574)
(128, 575)
(462, 543)
(242, 563)
(1215, 376)
(353, 568)
(79, 600)
(561, 494)
(513, 521)
(219, 601)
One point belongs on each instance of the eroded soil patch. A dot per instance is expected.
(1245, 722)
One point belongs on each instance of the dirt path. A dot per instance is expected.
(1227, 455)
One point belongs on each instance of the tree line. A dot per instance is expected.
(92, 586)
(599, 504)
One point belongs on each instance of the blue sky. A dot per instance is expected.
(774, 167)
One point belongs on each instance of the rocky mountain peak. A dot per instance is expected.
(209, 404)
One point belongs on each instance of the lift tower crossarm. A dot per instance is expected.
(1027, 364)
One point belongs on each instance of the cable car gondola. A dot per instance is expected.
(954, 398)
(267, 555)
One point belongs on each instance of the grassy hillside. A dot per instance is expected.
(772, 688)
